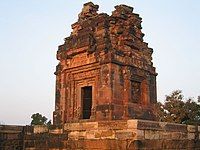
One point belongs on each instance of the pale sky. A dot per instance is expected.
(31, 31)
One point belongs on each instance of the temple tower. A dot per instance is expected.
(105, 69)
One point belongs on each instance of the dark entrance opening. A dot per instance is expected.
(86, 94)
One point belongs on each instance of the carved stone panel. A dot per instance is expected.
(105, 55)
(135, 92)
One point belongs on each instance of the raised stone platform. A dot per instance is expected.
(104, 135)
(132, 134)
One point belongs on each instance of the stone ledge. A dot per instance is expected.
(130, 129)
(125, 134)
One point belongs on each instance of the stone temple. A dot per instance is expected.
(105, 93)
(105, 69)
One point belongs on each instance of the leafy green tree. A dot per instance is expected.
(178, 110)
(192, 113)
(38, 119)
(174, 107)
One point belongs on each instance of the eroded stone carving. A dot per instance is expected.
(105, 54)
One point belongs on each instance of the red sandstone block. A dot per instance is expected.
(98, 145)
(148, 125)
(151, 134)
(191, 128)
(165, 135)
(81, 126)
(132, 124)
(177, 136)
(107, 134)
(125, 135)
(191, 136)
(175, 127)
(112, 125)
(40, 129)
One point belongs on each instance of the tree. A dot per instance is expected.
(192, 113)
(38, 119)
(177, 110)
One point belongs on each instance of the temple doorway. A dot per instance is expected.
(86, 94)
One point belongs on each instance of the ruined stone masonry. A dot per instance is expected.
(102, 135)
(105, 69)
(105, 92)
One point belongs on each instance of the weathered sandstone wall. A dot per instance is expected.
(102, 135)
